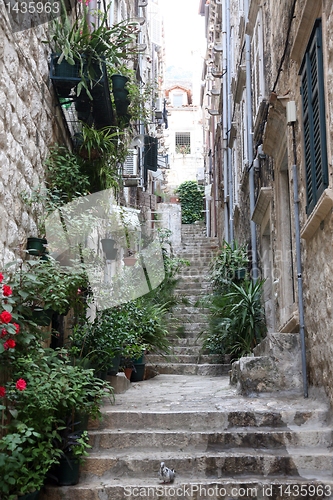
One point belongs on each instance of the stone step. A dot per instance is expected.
(252, 439)
(193, 326)
(193, 355)
(205, 369)
(195, 272)
(197, 286)
(181, 350)
(184, 342)
(189, 313)
(243, 488)
(153, 359)
(189, 310)
(117, 463)
(223, 418)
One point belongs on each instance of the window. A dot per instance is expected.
(312, 91)
(183, 143)
(177, 100)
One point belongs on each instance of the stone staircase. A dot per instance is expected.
(190, 319)
(223, 444)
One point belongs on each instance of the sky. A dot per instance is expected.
(184, 32)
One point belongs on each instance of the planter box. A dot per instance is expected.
(65, 77)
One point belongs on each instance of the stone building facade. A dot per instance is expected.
(267, 110)
(28, 126)
(31, 120)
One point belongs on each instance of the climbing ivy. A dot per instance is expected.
(191, 199)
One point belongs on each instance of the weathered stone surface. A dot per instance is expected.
(276, 366)
(25, 111)
(212, 436)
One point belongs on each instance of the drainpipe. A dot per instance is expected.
(253, 229)
(298, 254)
(228, 102)
(224, 123)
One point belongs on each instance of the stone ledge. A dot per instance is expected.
(319, 213)
(291, 324)
(264, 198)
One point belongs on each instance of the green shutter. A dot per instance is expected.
(150, 153)
(314, 127)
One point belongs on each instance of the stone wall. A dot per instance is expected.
(275, 221)
(28, 126)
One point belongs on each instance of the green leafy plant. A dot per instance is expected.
(44, 284)
(191, 199)
(226, 266)
(25, 458)
(237, 320)
(101, 150)
(64, 175)
(91, 45)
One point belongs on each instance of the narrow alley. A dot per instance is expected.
(222, 445)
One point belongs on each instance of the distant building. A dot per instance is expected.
(184, 137)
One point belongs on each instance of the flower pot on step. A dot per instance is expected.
(138, 372)
(67, 471)
(30, 496)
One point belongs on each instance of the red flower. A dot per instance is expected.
(17, 327)
(6, 290)
(21, 384)
(9, 344)
(2, 391)
(3, 332)
(5, 317)
(1, 277)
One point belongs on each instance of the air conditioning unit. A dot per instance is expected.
(130, 167)
(159, 109)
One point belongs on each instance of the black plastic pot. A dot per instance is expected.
(36, 246)
(118, 82)
(108, 248)
(114, 365)
(67, 471)
(42, 317)
(30, 496)
(138, 372)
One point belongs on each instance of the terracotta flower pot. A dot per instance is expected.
(129, 261)
(128, 372)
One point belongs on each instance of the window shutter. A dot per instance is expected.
(130, 166)
(312, 91)
(150, 153)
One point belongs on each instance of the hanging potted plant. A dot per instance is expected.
(108, 248)
(89, 46)
(130, 260)
(36, 246)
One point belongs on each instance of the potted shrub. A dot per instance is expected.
(25, 459)
(73, 444)
(46, 286)
(90, 50)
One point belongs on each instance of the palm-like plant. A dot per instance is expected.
(237, 321)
